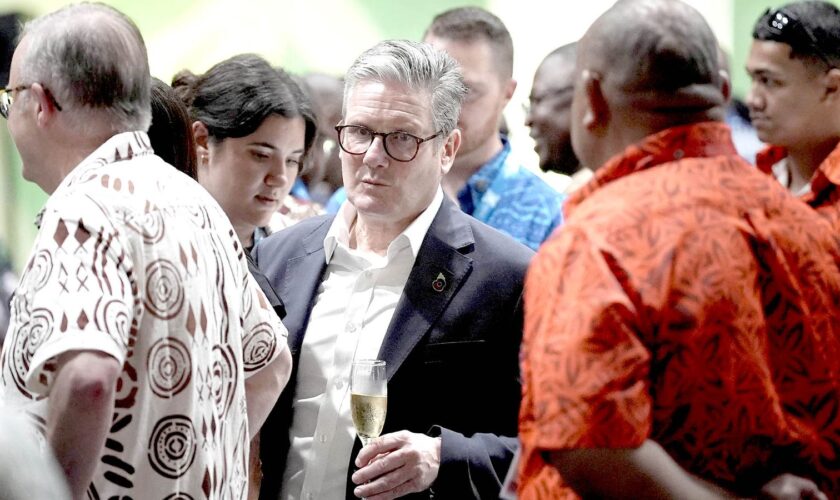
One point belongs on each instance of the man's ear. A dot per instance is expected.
(449, 150)
(596, 114)
(45, 110)
(510, 88)
(832, 84)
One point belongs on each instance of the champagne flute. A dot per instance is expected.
(368, 397)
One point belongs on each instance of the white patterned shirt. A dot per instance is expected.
(136, 260)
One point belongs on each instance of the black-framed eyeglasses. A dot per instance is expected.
(788, 29)
(401, 146)
(7, 98)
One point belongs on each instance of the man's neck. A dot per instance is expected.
(803, 162)
(468, 164)
(69, 151)
(375, 235)
(65, 162)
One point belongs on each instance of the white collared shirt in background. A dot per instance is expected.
(353, 308)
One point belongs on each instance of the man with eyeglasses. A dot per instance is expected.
(139, 345)
(488, 179)
(794, 101)
(682, 330)
(549, 115)
(399, 274)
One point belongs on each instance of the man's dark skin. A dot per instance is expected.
(636, 75)
(549, 111)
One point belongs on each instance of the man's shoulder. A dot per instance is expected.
(141, 187)
(295, 235)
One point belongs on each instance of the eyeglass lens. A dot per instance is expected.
(401, 146)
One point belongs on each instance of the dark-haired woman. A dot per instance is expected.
(252, 127)
(171, 129)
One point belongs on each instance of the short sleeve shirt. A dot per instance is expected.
(691, 300)
(136, 260)
(824, 192)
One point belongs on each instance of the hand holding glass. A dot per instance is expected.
(368, 397)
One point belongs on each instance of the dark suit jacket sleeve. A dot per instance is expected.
(475, 466)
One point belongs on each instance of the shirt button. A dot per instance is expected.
(351, 327)
(339, 384)
(322, 438)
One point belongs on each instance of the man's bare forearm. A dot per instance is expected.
(647, 471)
(81, 403)
(263, 388)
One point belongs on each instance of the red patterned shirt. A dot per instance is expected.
(824, 193)
(691, 300)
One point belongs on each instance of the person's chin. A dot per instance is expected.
(766, 137)
(546, 166)
(264, 214)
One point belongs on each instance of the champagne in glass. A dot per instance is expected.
(368, 397)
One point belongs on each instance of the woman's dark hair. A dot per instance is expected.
(234, 97)
(171, 129)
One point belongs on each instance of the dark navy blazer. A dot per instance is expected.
(452, 354)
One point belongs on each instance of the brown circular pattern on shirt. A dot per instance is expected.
(258, 347)
(40, 269)
(164, 292)
(172, 446)
(169, 367)
(150, 225)
(224, 378)
(112, 318)
(26, 340)
(178, 496)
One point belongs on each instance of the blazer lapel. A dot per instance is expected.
(440, 268)
(302, 276)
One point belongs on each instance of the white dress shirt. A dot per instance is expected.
(353, 308)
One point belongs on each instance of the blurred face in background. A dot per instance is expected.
(250, 176)
(322, 163)
(488, 94)
(549, 114)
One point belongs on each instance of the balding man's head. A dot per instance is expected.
(93, 60)
(647, 65)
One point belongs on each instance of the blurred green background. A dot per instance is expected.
(325, 36)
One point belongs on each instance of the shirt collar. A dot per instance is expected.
(697, 140)
(120, 147)
(826, 177)
(413, 235)
(470, 195)
(769, 156)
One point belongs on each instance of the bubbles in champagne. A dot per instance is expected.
(368, 414)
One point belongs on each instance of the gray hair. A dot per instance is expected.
(93, 60)
(421, 68)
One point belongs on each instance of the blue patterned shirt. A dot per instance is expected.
(512, 199)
